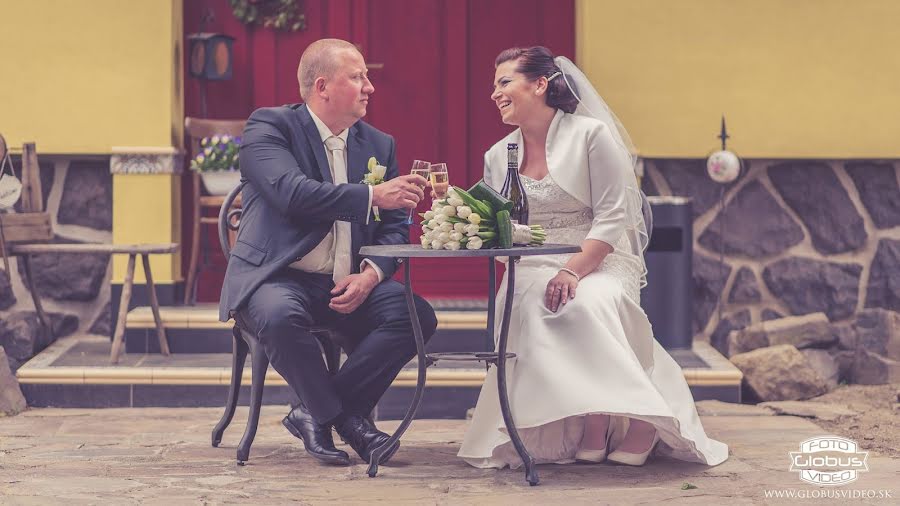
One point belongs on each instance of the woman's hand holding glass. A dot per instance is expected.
(440, 181)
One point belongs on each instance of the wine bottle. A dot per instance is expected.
(513, 188)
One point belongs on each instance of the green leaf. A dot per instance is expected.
(688, 486)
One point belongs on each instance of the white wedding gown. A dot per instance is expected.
(596, 354)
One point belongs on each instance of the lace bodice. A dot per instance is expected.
(568, 221)
(565, 219)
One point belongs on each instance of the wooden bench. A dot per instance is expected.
(132, 250)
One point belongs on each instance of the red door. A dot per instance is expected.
(431, 91)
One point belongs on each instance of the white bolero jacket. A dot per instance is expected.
(585, 161)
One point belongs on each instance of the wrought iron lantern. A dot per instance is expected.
(210, 56)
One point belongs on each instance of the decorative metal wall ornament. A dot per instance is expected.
(723, 167)
(285, 15)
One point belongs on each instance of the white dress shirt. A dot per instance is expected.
(321, 258)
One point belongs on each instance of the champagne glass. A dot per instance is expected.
(440, 180)
(419, 168)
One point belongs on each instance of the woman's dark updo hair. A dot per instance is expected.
(535, 62)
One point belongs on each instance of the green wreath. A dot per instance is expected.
(276, 14)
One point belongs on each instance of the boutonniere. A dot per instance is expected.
(373, 177)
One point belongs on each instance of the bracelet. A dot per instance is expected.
(570, 271)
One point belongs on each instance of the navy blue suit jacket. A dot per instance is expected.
(290, 201)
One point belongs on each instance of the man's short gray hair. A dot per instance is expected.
(318, 60)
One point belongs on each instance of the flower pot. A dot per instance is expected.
(220, 182)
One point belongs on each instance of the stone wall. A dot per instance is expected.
(74, 288)
(797, 237)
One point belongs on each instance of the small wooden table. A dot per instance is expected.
(405, 252)
(132, 250)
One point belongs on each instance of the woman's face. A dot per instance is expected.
(515, 95)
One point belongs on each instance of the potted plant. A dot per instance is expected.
(217, 163)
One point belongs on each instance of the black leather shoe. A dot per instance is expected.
(363, 437)
(316, 437)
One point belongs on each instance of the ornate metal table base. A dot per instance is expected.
(420, 379)
(499, 357)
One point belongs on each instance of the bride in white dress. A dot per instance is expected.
(589, 381)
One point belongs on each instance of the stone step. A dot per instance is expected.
(75, 372)
(197, 329)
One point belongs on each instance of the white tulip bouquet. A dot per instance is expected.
(475, 219)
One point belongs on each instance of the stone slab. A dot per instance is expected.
(163, 456)
(804, 409)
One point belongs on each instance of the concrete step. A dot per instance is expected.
(197, 329)
(75, 372)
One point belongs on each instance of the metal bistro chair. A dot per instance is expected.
(246, 341)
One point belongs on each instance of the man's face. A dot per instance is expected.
(349, 88)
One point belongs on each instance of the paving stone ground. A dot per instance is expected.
(163, 456)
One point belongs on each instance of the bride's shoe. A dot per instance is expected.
(633, 459)
(591, 456)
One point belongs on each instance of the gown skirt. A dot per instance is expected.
(596, 354)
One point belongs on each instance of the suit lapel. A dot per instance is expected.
(315, 142)
(358, 152)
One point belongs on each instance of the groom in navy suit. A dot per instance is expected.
(296, 262)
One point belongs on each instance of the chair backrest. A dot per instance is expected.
(229, 219)
(198, 128)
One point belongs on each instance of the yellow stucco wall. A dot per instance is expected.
(81, 76)
(795, 78)
(147, 209)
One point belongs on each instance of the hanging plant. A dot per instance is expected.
(275, 14)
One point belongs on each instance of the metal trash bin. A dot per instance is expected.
(668, 297)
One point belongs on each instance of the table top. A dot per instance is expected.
(417, 251)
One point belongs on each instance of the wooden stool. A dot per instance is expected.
(132, 250)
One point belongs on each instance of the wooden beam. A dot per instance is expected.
(32, 198)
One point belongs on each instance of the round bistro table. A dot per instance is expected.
(404, 253)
